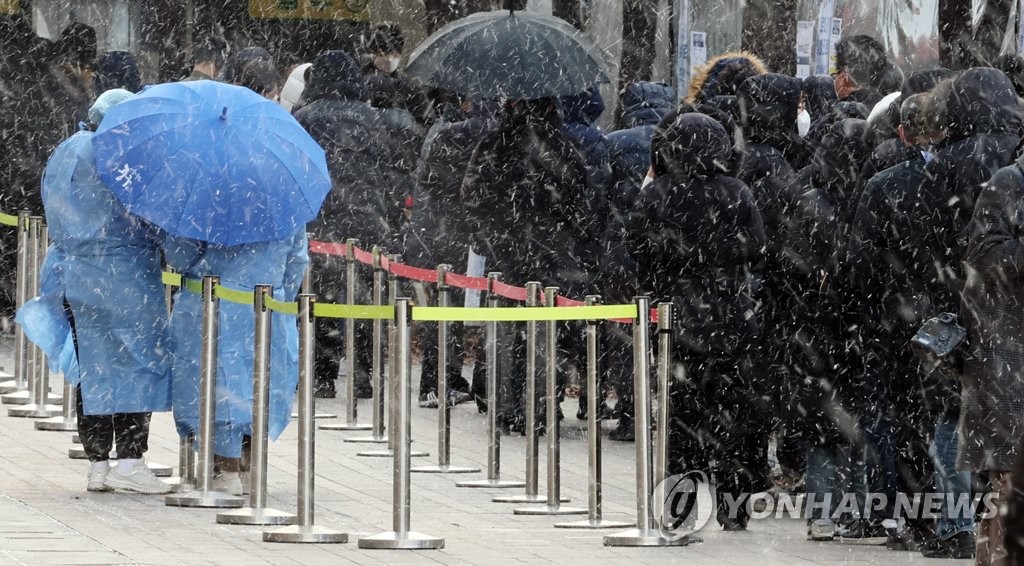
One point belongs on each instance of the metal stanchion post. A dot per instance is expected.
(24, 390)
(68, 420)
(186, 480)
(444, 426)
(304, 530)
(392, 382)
(491, 345)
(204, 495)
(552, 429)
(400, 537)
(39, 406)
(307, 285)
(351, 419)
(377, 434)
(257, 512)
(19, 382)
(532, 494)
(594, 519)
(646, 532)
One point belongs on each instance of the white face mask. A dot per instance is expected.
(386, 63)
(803, 123)
(647, 181)
(927, 156)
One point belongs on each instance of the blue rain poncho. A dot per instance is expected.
(242, 267)
(105, 264)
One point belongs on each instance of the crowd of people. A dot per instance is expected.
(803, 229)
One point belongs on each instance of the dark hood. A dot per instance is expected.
(768, 103)
(117, 69)
(646, 103)
(238, 60)
(334, 74)
(582, 108)
(982, 101)
(819, 95)
(690, 145)
(845, 147)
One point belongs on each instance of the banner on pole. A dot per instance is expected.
(698, 50)
(824, 37)
(836, 36)
(1020, 28)
(682, 8)
(805, 47)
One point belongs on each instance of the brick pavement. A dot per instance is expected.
(47, 517)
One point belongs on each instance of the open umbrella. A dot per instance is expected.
(508, 54)
(212, 161)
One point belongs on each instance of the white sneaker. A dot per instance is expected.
(139, 480)
(97, 479)
(231, 485)
(821, 529)
(428, 401)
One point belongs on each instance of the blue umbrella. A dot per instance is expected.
(213, 162)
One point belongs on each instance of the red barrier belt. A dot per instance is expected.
(365, 257)
(326, 248)
(466, 282)
(509, 291)
(416, 273)
(561, 301)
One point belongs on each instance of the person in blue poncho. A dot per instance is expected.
(280, 264)
(102, 316)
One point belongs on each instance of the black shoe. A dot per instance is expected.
(958, 547)
(730, 524)
(625, 432)
(908, 538)
(864, 532)
(364, 392)
(481, 404)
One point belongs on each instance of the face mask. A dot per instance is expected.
(927, 155)
(803, 123)
(647, 181)
(386, 63)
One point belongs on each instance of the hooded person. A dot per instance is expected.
(531, 215)
(823, 360)
(580, 113)
(819, 95)
(985, 119)
(863, 67)
(112, 347)
(117, 69)
(892, 265)
(697, 237)
(237, 60)
(383, 49)
(372, 163)
(722, 75)
(291, 92)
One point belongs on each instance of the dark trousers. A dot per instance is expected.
(328, 278)
(99, 433)
(427, 335)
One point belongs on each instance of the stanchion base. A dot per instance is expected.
(390, 454)
(16, 398)
(23, 398)
(34, 411)
(644, 537)
(309, 534)
(253, 516)
(10, 386)
(524, 498)
(392, 540)
(367, 439)
(345, 426)
(595, 524)
(59, 424)
(77, 452)
(179, 487)
(495, 483)
(447, 469)
(318, 416)
(550, 510)
(215, 499)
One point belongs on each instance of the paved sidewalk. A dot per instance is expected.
(47, 517)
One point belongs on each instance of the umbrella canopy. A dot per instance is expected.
(505, 54)
(213, 162)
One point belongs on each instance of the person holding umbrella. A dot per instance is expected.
(118, 350)
(233, 180)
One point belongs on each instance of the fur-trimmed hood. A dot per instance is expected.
(723, 74)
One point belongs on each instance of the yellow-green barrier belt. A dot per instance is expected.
(515, 314)
(281, 306)
(363, 312)
(8, 220)
(172, 279)
(233, 295)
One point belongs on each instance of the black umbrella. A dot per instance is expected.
(507, 54)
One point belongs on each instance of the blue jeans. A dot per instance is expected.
(829, 476)
(954, 484)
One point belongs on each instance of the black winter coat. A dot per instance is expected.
(527, 204)
(698, 239)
